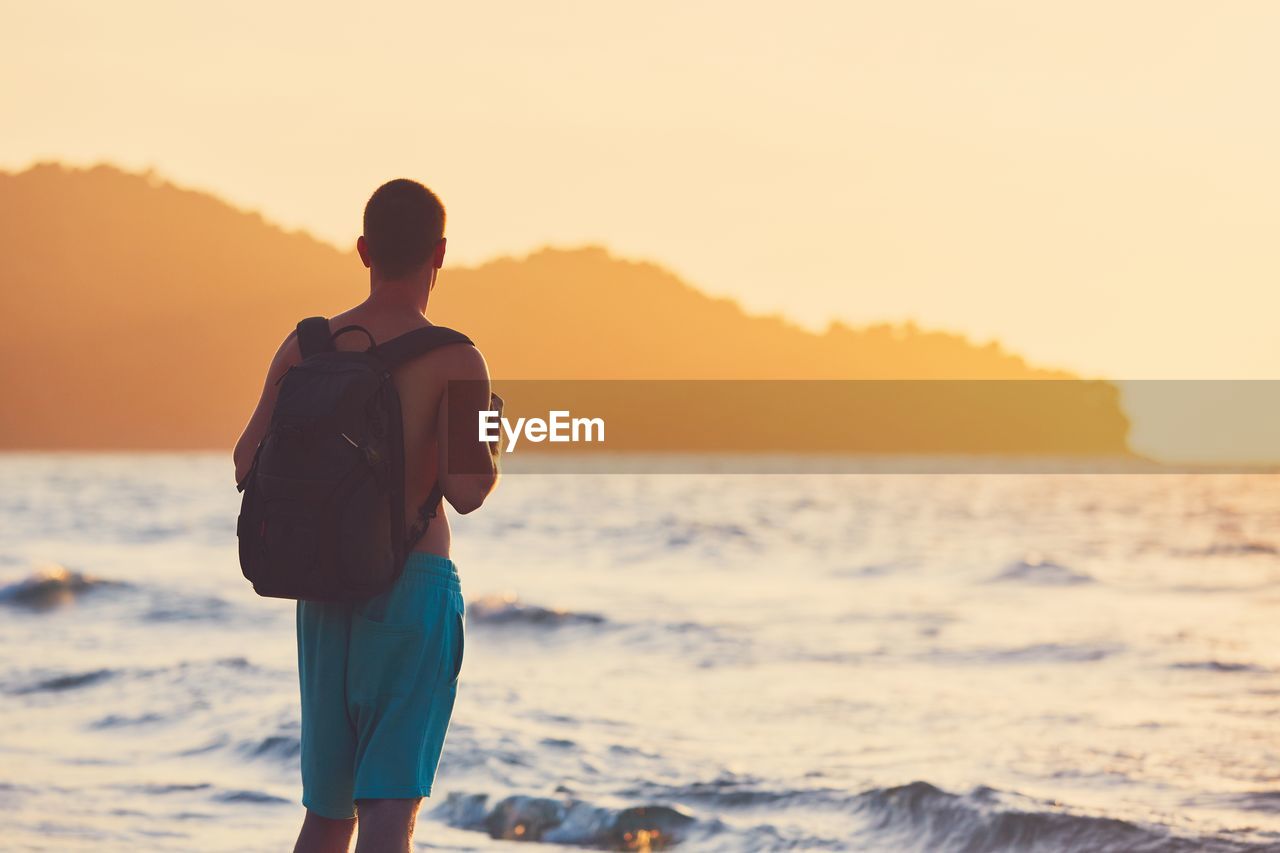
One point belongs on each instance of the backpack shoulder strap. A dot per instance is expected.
(314, 337)
(410, 345)
(394, 353)
(426, 513)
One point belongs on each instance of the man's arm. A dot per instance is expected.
(460, 447)
(286, 356)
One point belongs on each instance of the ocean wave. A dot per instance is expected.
(1033, 653)
(568, 821)
(66, 681)
(869, 570)
(278, 747)
(733, 791)
(1220, 666)
(672, 534)
(117, 721)
(1035, 569)
(214, 744)
(1249, 801)
(1056, 652)
(63, 681)
(52, 586)
(188, 609)
(509, 610)
(919, 816)
(683, 532)
(221, 795)
(1246, 548)
(916, 816)
(930, 618)
(255, 797)
(162, 788)
(10, 793)
(281, 748)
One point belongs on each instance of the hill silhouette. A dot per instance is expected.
(142, 315)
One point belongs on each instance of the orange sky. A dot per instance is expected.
(1094, 183)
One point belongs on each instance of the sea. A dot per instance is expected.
(690, 661)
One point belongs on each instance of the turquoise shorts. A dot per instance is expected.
(379, 678)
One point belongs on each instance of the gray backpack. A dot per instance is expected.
(322, 517)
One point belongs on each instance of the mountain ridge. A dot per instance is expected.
(85, 254)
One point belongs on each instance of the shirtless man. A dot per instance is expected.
(379, 677)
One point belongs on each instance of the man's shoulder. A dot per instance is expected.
(409, 343)
(288, 353)
(457, 359)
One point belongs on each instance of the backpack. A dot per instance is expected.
(322, 517)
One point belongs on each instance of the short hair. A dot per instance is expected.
(403, 223)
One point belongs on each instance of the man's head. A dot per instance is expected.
(403, 231)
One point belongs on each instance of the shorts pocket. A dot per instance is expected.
(459, 642)
(385, 659)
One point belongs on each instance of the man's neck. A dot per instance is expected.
(397, 296)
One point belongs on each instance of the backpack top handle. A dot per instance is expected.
(354, 328)
(314, 336)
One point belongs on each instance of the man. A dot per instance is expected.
(378, 677)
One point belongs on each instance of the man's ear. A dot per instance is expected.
(437, 259)
(362, 249)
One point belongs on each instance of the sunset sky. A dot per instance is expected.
(1095, 184)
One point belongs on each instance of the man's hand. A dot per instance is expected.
(467, 467)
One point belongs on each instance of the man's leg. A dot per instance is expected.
(324, 834)
(327, 740)
(386, 826)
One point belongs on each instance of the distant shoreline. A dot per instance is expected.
(734, 463)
